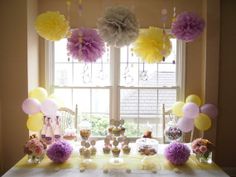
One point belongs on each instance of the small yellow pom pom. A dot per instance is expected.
(152, 45)
(52, 26)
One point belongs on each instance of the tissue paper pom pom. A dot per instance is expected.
(152, 45)
(187, 26)
(85, 44)
(59, 152)
(118, 27)
(52, 26)
(177, 153)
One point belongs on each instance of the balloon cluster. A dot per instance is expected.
(37, 105)
(194, 114)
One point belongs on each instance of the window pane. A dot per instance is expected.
(129, 102)
(147, 103)
(63, 74)
(65, 95)
(100, 101)
(81, 97)
(60, 51)
(167, 97)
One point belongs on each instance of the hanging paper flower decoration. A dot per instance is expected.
(152, 45)
(118, 27)
(86, 45)
(52, 26)
(187, 26)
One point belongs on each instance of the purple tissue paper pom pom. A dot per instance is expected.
(187, 26)
(177, 153)
(85, 44)
(59, 151)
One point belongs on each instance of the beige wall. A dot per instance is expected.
(14, 75)
(226, 141)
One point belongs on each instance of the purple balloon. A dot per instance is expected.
(49, 107)
(31, 106)
(190, 110)
(210, 110)
(185, 124)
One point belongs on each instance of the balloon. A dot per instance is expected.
(194, 99)
(31, 106)
(35, 122)
(190, 110)
(49, 107)
(185, 124)
(202, 122)
(177, 108)
(210, 110)
(39, 93)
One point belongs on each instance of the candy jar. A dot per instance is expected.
(172, 132)
(43, 131)
(85, 130)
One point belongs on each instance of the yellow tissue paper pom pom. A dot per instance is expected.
(152, 45)
(52, 26)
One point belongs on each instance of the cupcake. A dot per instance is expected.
(116, 131)
(126, 149)
(93, 151)
(116, 152)
(106, 150)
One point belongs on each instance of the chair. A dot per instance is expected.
(164, 120)
(69, 118)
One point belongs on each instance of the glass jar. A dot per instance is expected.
(205, 158)
(85, 129)
(35, 159)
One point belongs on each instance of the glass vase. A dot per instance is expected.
(35, 159)
(205, 158)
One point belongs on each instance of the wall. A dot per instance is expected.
(15, 59)
(1, 157)
(226, 143)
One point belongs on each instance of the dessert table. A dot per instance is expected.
(132, 162)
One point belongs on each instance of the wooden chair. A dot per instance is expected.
(69, 118)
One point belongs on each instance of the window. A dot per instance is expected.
(119, 85)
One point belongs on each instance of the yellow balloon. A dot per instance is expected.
(35, 122)
(177, 109)
(38, 93)
(194, 99)
(202, 122)
(59, 101)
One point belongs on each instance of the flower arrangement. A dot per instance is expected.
(35, 149)
(177, 153)
(203, 149)
(59, 151)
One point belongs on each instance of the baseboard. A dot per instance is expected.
(231, 171)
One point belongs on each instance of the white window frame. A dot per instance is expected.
(114, 110)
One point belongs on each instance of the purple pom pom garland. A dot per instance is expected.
(177, 153)
(187, 26)
(86, 45)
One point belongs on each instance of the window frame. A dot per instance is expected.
(114, 88)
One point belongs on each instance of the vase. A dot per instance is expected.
(35, 159)
(205, 158)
